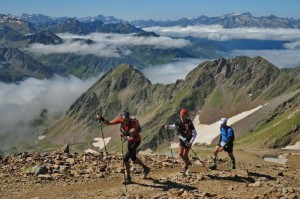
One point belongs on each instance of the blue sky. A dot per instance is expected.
(152, 9)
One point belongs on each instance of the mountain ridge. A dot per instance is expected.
(88, 65)
(232, 20)
(157, 104)
(17, 66)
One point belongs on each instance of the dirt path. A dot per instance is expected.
(265, 180)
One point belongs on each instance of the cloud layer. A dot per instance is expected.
(169, 73)
(106, 45)
(285, 58)
(115, 45)
(281, 58)
(21, 103)
(218, 33)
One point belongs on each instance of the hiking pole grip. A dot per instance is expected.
(101, 119)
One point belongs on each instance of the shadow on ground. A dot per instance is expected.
(166, 185)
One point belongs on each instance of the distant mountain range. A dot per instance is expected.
(16, 66)
(36, 23)
(18, 33)
(227, 21)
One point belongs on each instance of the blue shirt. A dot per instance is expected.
(226, 134)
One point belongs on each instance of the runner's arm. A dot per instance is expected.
(194, 135)
(101, 118)
(132, 131)
(230, 135)
(172, 126)
(113, 122)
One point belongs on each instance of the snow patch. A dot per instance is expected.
(100, 142)
(281, 159)
(91, 151)
(206, 133)
(41, 137)
(293, 147)
(174, 145)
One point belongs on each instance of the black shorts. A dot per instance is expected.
(228, 148)
(131, 153)
(183, 143)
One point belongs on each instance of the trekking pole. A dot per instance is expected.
(195, 154)
(170, 142)
(122, 140)
(103, 138)
(184, 139)
(199, 159)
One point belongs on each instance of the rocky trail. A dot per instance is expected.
(72, 175)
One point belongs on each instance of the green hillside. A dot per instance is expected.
(280, 128)
(220, 87)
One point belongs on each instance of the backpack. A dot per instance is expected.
(187, 132)
(138, 128)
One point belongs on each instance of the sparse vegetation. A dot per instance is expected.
(216, 99)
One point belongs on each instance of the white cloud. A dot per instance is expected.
(33, 94)
(169, 73)
(106, 45)
(292, 45)
(217, 32)
(281, 58)
(101, 49)
(21, 103)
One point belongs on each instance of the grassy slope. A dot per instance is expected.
(161, 103)
(280, 129)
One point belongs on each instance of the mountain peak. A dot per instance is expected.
(46, 38)
(116, 89)
(9, 34)
(122, 76)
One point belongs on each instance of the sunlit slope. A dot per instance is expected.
(213, 89)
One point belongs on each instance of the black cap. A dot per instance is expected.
(124, 114)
